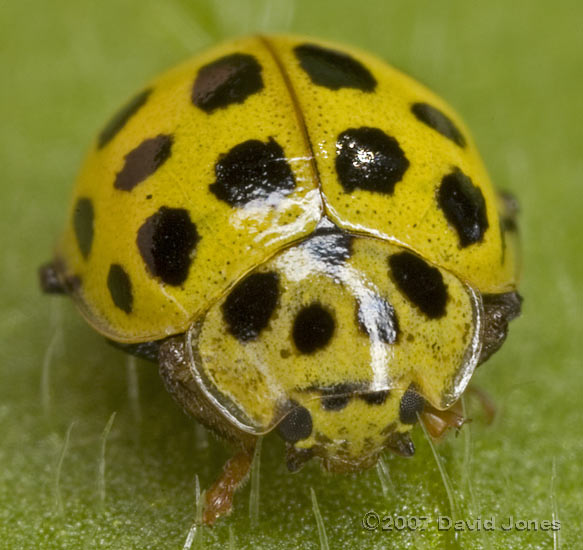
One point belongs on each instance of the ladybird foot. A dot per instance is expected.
(219, 498)
(49, 279)
(437, 422)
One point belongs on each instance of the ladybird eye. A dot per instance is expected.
(296, 425)
(411, 404)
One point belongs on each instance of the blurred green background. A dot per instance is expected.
(513, 71)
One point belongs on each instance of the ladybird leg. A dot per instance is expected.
(509, 205)
(486, 402)
(178, 379)
(219, 497)
(296, 458)
(437, 422)
(50, 282)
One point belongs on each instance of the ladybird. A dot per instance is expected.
(305, 240)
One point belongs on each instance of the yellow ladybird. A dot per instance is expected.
(305, 239)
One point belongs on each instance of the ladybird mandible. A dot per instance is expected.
(304, 239)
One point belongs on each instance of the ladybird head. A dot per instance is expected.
(348, 425)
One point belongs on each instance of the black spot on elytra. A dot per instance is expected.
(252, 170)
(120, 288)
(421, 283)
(377, 318)
(330, 245)
(367, 158)
(250, 304)
(375, 397)
(464, 207)
(83, 219)
(334, 69)
(166, 241)
(313, 328)
(440, 122)
(121, 118)
(411, 405)
(143, 161)
(296, 425)
(230, 79)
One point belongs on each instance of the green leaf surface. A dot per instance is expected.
(75, 475)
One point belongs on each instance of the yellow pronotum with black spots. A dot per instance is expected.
(317, 224)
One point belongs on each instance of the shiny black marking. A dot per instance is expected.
(440, 122)
(252, 170)
(121, 118)
(411, 405)
(499, 310)
(464, 207)
(422, 284)
(83, 219)
(334, 69)
(296, 425)
(375, 397)
(313, 328)
(335, 398)
(143, 161)
(120, 288)
(50, 282)
(167, 240)
(330, 245)
(401, 444)
(377, 318)
(230, 79)
(143, 350)
(250, 304)
(369, 159)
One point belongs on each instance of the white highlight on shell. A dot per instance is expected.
(462, 377)
(298, 264)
